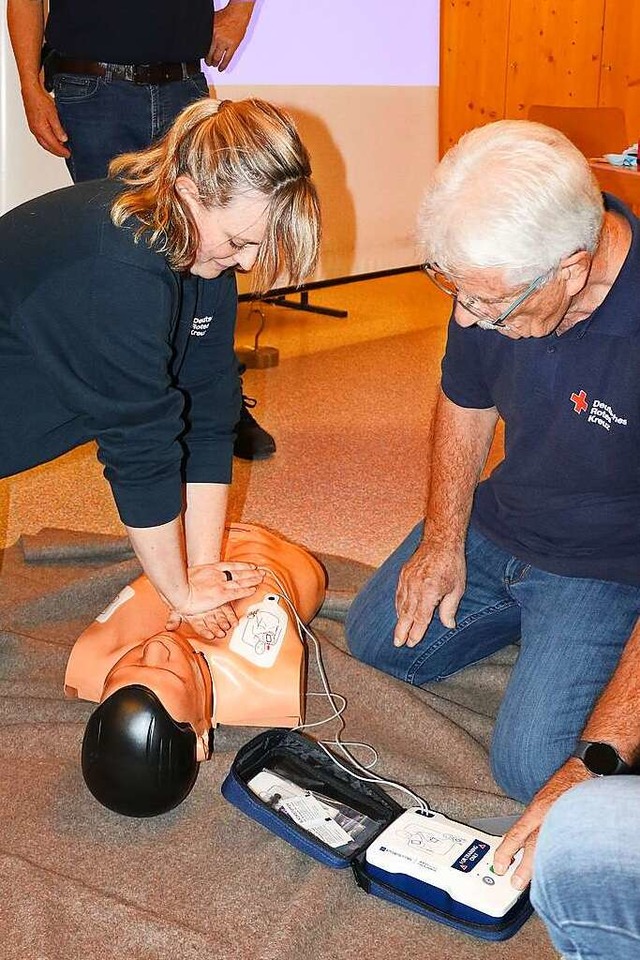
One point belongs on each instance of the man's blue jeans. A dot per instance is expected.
(104, 117)
(587, 870)
(571, 633)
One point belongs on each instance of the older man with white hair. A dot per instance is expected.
(544, 275)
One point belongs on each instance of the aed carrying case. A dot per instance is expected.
(280, 756)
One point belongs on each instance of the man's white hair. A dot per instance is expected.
(513, 195)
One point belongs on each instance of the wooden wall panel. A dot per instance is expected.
(473, 58)
(498, 58)
(555, 52)
(620, 80)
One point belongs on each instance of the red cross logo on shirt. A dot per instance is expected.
(579, 401)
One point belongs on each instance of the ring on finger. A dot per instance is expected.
(228, 575)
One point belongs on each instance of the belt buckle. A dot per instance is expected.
(143, 73)
(129, 72)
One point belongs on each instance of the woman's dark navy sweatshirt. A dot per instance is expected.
(101, 339)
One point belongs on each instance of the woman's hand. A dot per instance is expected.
(212, 589)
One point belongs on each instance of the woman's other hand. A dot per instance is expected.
(212, 589)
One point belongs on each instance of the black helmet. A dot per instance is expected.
(136, 759)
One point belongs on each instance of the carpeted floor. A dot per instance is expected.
(203, 882)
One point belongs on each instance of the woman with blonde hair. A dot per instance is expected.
(117, 313)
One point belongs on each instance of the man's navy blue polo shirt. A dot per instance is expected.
(566, 497)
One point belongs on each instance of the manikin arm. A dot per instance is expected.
(434, 578)
(25, 20)
(614, 720)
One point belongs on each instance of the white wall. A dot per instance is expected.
(342, 42)
(361, 79)
(26, 170)
(372, 151)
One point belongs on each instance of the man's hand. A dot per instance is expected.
(229, 27)
(524, 833)
(43, 120)
(212, 588)
(433, 579)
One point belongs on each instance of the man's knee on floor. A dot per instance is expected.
(520, 762)
(358, 630)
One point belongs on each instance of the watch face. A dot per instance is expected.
(601, 759)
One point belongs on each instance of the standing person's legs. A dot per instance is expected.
(573, 631)
(169, 99)
(105, 117)
(587, 870)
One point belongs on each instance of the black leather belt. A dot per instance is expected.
(133, 72)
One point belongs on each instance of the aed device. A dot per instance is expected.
(440, 860)
(162, 693)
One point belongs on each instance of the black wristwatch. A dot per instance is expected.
(601, 759)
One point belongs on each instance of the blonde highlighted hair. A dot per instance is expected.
(228, 149)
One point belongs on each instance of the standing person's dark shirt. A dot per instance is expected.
(131, 31)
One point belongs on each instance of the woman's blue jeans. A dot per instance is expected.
(104, 117)
(586, 878)
(571, 633)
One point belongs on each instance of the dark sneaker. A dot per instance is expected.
(252, 441)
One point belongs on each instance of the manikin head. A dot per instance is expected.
(161, 693)
(143, 744)
(136, 759)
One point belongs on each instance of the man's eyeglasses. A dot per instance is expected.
(447, 285)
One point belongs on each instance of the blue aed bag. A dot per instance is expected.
(415, 858)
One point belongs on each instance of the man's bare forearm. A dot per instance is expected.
(616, 716)
(434, 577)
(25, 20)
(461, 442)
(230, 25)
